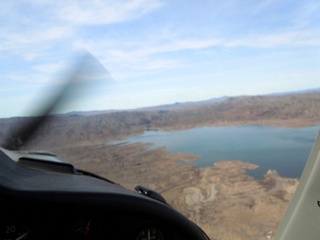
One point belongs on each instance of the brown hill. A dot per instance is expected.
(285, 110)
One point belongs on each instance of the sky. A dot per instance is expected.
(153, 52)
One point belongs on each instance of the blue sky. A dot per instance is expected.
(157, 51)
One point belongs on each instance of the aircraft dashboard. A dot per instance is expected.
(79, 223)
(50, 199)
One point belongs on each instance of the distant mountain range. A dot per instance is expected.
(183, 105)
(167, 107)
(294, 109)
(296, 92)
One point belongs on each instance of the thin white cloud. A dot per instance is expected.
(286, 39)
(33, 42)
(145, 55)
(178, 45)
(307, 14)
(32, 35)
(155, 65)
(261, 6)
(159, 54)
(104, 12)
(50, 68)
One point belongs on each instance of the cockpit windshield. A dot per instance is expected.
(212, 104)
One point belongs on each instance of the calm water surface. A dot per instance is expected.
(285, 150)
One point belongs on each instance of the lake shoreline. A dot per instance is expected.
(270, 148)
(221, 198)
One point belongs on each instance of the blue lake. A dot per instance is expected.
(285, 150)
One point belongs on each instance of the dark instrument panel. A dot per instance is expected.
(93, 226)
(45, 198)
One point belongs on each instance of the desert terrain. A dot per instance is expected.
(221, 199)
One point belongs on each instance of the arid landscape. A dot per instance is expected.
(222, 199)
